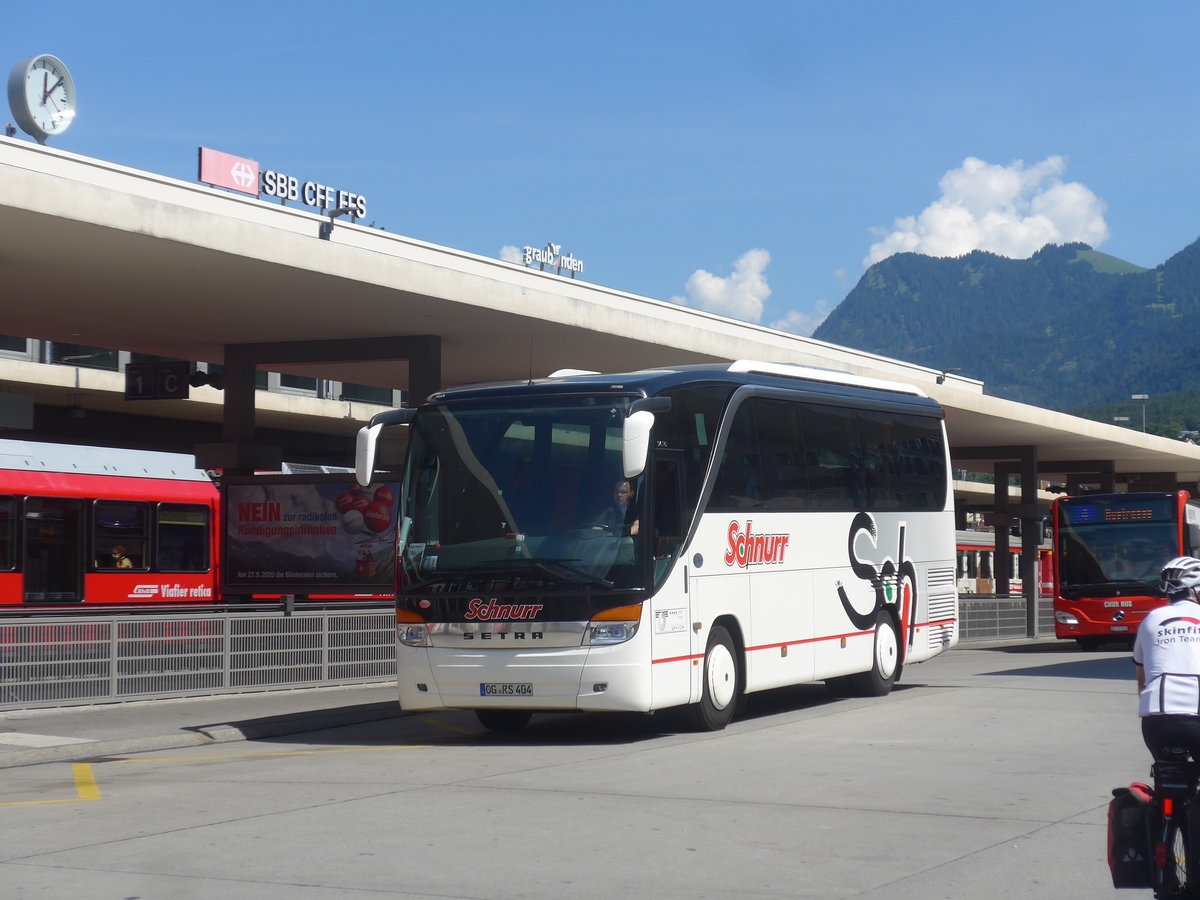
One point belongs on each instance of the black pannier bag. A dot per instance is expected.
(1129, 857)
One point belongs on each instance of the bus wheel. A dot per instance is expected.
(722, 683)
(503, 721)
(885, 662)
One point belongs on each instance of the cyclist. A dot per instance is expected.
(1167, 655)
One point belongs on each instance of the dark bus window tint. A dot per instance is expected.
(832, 458)
(691, 425)
(784, 474)
(183, 538)
(879, 461)
(120, 537)
(738, 476)
(921, 460)
(8, 533)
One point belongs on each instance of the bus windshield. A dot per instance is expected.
(525, 495)
(1113, 544)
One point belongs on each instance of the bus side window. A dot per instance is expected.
(784, 481)
(739, 477)
(120, 535)
(835, 472)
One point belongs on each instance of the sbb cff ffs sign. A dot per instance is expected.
(239, 174)
(157, 381)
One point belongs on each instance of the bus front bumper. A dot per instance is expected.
(576, 678)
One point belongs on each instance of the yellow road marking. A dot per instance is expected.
(85, 789)
(85, 782)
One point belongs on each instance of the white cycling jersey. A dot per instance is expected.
(1168, 647)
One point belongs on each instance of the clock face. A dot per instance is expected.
(41, 93)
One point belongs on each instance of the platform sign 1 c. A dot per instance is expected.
(157, 381)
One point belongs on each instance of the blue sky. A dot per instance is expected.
(746, 158)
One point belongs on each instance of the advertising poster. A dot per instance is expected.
(322, 534)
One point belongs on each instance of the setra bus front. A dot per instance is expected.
(525, 552)
(1108, 552)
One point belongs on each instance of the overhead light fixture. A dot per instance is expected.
(941, 379)
(327, 227)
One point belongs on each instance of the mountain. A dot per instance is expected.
(1067, 327)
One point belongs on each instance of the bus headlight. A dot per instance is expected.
(1065, 618)
(614, 626)
(411, 629)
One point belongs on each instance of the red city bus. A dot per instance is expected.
(91, 526)
(1109, 551)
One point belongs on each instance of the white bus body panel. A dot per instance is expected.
(783, 600)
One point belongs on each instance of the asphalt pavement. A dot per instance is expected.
(78, 733)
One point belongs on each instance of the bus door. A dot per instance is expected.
(670, 523)
(53, 550)
(670, 613)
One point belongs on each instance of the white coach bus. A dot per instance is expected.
(664, 538)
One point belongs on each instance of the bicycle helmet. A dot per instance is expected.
(1180, 579)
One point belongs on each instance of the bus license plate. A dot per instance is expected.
(1119, 628)
(505, 689)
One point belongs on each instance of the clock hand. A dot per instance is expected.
(50, 90)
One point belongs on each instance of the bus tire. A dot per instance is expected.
(503, 721)
(885, 661)
(721, 683)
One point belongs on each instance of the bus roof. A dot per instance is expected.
(649, 382)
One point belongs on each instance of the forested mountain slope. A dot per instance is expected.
(1065, 328)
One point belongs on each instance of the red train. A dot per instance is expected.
(90, 526)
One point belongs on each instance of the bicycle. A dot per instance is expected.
(1174, 841)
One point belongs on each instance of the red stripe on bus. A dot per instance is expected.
(655, 662)
(816, 640)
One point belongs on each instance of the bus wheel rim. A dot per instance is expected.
(722, 676)
(886, 649)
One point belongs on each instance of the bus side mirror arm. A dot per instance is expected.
(367, 441)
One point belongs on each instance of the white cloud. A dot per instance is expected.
(803, 323)
(512, 254)
(1010, 210)
(740, 296)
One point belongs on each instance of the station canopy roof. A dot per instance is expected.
(102, 255)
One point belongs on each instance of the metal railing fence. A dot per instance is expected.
(51, 661)
(985, 617)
